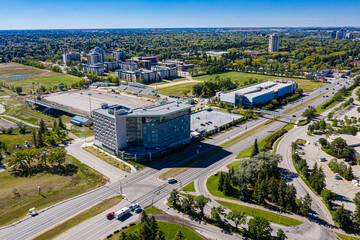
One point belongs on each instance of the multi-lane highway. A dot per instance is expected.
(143, 186)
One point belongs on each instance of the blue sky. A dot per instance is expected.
(74, 14)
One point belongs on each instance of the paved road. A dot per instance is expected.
(142, 187)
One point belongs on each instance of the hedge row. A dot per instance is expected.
(272, 138)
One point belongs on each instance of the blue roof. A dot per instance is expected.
(81, 119)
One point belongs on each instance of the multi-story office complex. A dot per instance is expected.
(118, 54)
(333, 34)
(96, 55)
(129, 66)
(258, 93)
(154, 128)
(97, 69)
(111, 66)
(155, 74)
(71, 56)
(274, 41)
(339, 35)
(349, 36)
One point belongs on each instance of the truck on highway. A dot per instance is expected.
(122, 212)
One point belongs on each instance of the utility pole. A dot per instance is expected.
(90, 103)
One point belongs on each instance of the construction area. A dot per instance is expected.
(81, 101)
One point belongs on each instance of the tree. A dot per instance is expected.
(34, 138)
(54, 125)
(40, 139)
(200, 203)
(153, 226)
(323, 142)
(174, 198)
(160, 235)
(227, 187)
(342, 218)
(348, 174)
(259, 228)
(221, 182)
(185, 92)
(294, 146)
(61, 124)
(216, 213)
(57, 155)
(290, 198)
(304, 205)
(144, 217)
(9, 130)
(328, 196)
(309, 113)
(317, 179)
(179, 235)
(338, 145)
(356, 214)
(22, 127)
(42, 126)
(187, 204)
(145, 231)
(244, 194)
(255, 149)
(237, 217)
(18, 89)
(280, 235)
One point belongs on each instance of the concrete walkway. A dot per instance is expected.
(18, 120)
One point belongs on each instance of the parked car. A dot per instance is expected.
(202, 124)
(337, 177)
(134, 206)
(110, 215)
(322, 159)
(210, 122)
(298, 147)
(300, 153)
(172, 180)
(138, 210)
(207, 123)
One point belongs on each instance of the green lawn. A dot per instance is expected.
(212, 184)
(240, 77)
(189, 188)
(81, 132)
(106, 158)
(169, 230)
(272, 217)
(54, 188)
(154, 210)
(345, 237)
(79, 218)
(247, 152)
(176, 89)
(12, 139)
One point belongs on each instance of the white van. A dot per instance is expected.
(122, 212)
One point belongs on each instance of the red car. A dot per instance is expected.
(207, 123)
(110, 215)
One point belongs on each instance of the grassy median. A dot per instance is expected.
(77, 219)
(189, 188)
(254, 212)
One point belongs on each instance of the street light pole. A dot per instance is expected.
(90, 102)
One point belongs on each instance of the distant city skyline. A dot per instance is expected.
(95, 14)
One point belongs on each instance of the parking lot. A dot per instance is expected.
(345, 189)
(6, 124)
(210, 120)
(79, 100)
(350, 112)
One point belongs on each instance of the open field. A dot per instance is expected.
(54, 188)
(12, 139)
(240, 77)
(272, 217)
(176, 89)
(81, 98)
(17, 109)
(42, 77)
(88, 213)
(169, 230)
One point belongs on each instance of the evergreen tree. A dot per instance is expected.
(145, 231)
(34, 138)
(244, 194)
(259, 228)
(342, 218)
(348, 174)
(54, 125)
(61, 124)
(160, 235)
(42, 126)
(281, 193)
(227, 187)
(280, 235)
(255, 149)
(40, 139)
(144, 217)
(221, 182)
(272, 189)
(153, 226)
(290, 198)
(179, 235)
